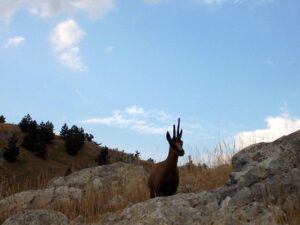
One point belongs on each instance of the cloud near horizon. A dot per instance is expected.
(276, 127)
(137, 119)
(65, 39)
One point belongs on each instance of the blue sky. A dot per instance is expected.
(126, 70)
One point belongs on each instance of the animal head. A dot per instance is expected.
(176, 142)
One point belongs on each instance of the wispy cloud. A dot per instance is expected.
(276, 127)
(109, 49)
(270, 62)
(14, 41)
(46, 8)
(82, 97)
(136, 118)
(220, 2)
(65, 39)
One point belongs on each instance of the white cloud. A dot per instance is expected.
(135, 118)
(133, 110)
(65, 39)
(66, 34)
(276, 127)
(71, 59)
(8, 9)
(14, 41)
(47, 8)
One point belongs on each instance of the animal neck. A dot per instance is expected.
(172, 158)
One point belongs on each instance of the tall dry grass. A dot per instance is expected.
(116, 197)
(12, 185)
(285, 205)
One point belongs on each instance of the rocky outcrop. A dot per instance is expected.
(38, 217)
(263, 187)
(72, 189)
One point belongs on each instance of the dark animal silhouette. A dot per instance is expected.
(164, 176)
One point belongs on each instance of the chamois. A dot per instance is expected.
(164, 176)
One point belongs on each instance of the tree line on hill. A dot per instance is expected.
(38, 136)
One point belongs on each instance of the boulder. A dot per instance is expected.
(262, 189)
(72, 189)
(38, 217)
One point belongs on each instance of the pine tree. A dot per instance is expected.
(11, 151)
(27, 124)
(64, 131)
(74, 140)
(2, 119)
(46, 132)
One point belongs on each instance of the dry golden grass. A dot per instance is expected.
(198, 178)
(116, 197)
(95, 202)
(285, 206)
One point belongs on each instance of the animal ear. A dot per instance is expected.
(180, 134)
(168, 136)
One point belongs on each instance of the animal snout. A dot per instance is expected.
(181, 153)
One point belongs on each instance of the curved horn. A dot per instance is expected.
(174, 131)
(178, 125)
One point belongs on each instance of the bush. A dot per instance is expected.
(2, 119)
(11, 151)
(103, 158)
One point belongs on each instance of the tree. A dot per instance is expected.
(74, 140)
(29, 142)
(2, 119)
(137, 154)
(37, 137)
(34, 143)
(150, 160)
(46, 132)
(103, 157)
(89, 137)
(27, 124)
(11, 151)
(74, 143)
(64, 131)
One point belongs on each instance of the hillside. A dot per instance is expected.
(56, 164)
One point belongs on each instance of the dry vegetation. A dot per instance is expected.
(193, 178)
(95, 204)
